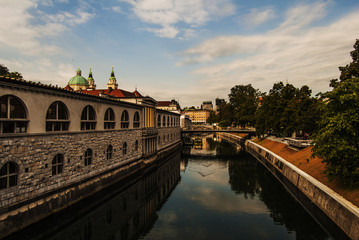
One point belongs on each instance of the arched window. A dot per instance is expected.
(159, 121)
(57, 164)
(88, 157)
(164, 121)
(168, 121)
(12, 115)
(8, 175)
(136, 145)
(136, 120)
(171, 121)
(109, 121)
(124, 119)
(124, 148)
(109, 152)
(88, 118)
(57, 117)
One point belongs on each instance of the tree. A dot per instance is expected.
(15, 75)
(337, 140)
(276, 114)
(4, 71)
(244, 101)
(212, 118)
(225, 113)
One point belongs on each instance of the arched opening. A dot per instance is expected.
(8, 175)
(57, 164)
(124, 148)
(125, 119)
(88, 118)
(136, 120)
(88, 157)
(13, 117)
(57, 117)
(109, 121)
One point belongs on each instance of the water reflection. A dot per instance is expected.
(216, 192)
(113, 214)
(237, 198)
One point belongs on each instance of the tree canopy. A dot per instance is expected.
(337, 140)
(4, 71)
(244, 102)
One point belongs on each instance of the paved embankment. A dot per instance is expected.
(340, 211)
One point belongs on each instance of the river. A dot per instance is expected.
(214, 191)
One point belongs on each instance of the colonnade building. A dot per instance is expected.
(59, 145)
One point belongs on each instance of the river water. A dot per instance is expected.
(212, 191)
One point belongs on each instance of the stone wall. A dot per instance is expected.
(321, 198)
(39, 193)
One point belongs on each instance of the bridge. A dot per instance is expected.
(202, 130)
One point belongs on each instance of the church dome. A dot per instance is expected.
(78, 79)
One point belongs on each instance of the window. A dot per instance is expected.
(136, 145)
(171, 121)
(164, 121)
(159, 121)
(88, 157)
(8, 175)
(109, 122)
(88, 118)
(12, 115)
(57, 117)
(124, 119)
(136, 120)
(109, 152)
(168, 121)
(57, 164)
(124, 148)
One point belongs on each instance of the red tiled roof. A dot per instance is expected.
(163, 103)
(113, 92)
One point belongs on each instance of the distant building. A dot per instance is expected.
(185, 122)
(218, 102)
(207, 105)
(197, 116)
(172, 106)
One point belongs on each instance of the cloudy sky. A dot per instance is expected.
(188, 50)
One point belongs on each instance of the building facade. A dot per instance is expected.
(207, 105)
(197, 116)
(58, 146)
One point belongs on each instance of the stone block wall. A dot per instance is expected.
(34, 154)
(167, 136)
(340, 211)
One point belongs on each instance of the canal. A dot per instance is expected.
(210, 191)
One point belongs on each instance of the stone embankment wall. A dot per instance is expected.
(343, 213)
(39, 193)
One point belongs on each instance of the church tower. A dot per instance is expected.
(91, 81)
(112, 82)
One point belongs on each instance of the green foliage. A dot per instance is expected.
(225, 113)
(244, 101)
(4, 71)
(225, 123)
(212, 118)
(286, 110)
(337, 141)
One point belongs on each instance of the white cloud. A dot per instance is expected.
(117, 9)
(167, 14)
(257, 16)
(294, 51)
(17, 24)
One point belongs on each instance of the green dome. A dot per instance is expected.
(78, 79)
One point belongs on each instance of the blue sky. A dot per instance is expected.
(188, 50)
